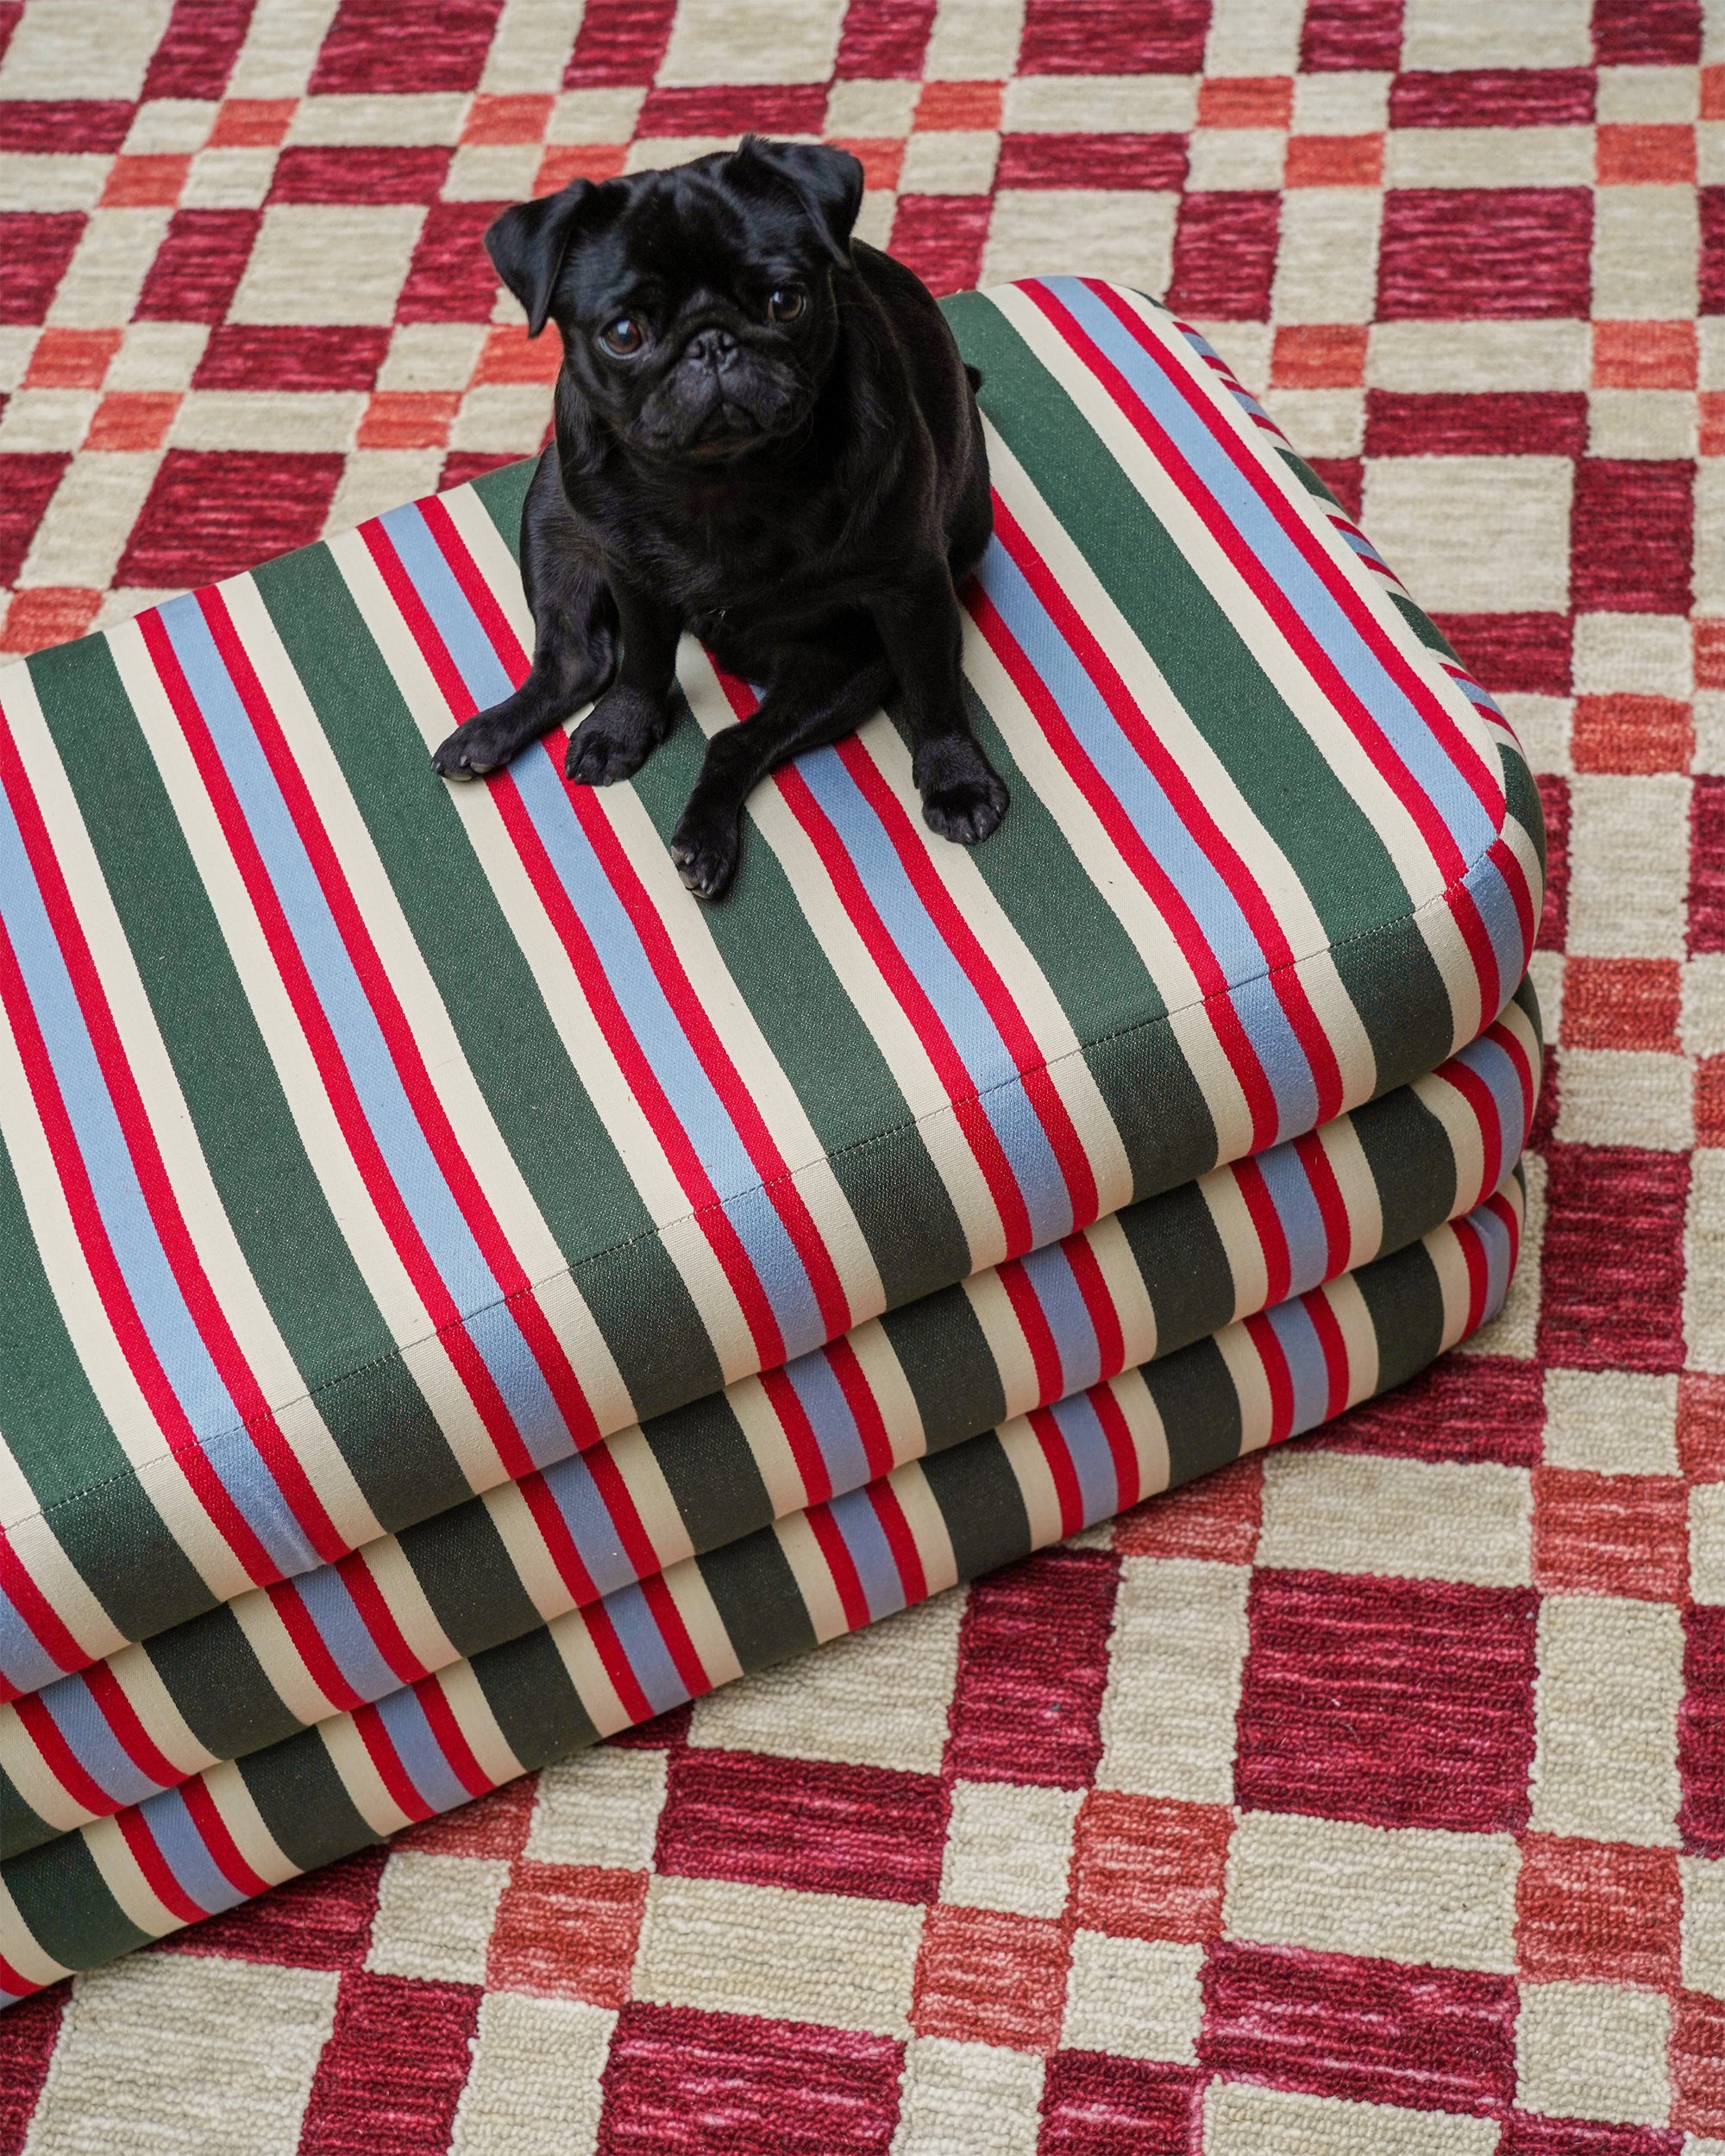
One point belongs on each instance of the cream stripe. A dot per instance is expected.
(1149, 1436)
(1029, 988)
(1030, 1467)
(279, 1659)
(1441, 934)
(399, 1584)
(565, 1005)
(326, 1147)
(992, 1308)
(176, 1135)
(1197, 759)
(227, 1792)
(586, 1672)
(644, 1479)
(1251, 1387)
(892, 1032)
(1358, 1186)
(525, 1547)
(124, 1879)
(452, 1080)
(1126, 1291)
(365, 1786)
(18, 1944)
(928, 1528)
(1452, 1109)
(35, 1782)
(154, 1706)
(706, 1627)
(885, 1376)
(768, 1445)
(1188, 1018)
(814, 1576)
(1359, 1335)
(1244, 609)
(1444, 1248)
(466, 1701)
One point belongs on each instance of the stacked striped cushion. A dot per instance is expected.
(467, 1298)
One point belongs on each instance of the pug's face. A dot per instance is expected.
(696, 305)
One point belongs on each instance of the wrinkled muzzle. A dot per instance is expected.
(718, 399)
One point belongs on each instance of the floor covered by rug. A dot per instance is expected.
(1367, 1798)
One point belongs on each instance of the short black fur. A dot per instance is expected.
(776, 447)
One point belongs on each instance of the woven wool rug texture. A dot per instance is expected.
(1368, 1797)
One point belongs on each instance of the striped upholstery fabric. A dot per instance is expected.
(371, 1147)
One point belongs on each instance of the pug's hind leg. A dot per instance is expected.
(815, 697)
(574, 638)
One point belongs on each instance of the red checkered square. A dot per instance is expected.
(400, 2050)
(1094, 2104)
(209, 515)
(34, 250)
(1592, 1912)
(984, 1977)
(566, 1931)
(1634, 530)
(1612, 1266)
(1149, 1867)
(1621, 1003)
(1113, 37)
(1697, 2064)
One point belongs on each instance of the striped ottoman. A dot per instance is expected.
(467, 1298)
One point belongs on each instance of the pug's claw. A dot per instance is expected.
(967, 809)
(706, 860)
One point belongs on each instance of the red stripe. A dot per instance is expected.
(794, 1419)
(439, 1716)
(1187, 803)
(1039, 1334)
(1482, 1104)
(865, 1409)
(1128, 841)
(1064, 1474)
(560, 1544)
(385, 1757)
(620, 1504)
(61, 1760)
(1477, 941)
(52, 1634)
(378, 1619)
(109, 1281)
(1444, 730)
(1266, 1222)
(1325, 1325)
(224, 1851)
(413, 612)
(249, 1403)
(1099, 1303)
(1021, 1044)
(441, 1140)
(1321, 1175)
(884, 1500)
(675, 1632)
(1526, 1066)
(616, 1665)
(344, 1101)
(1128, 1482)
(847, 1582)
(158, 1872)
(1507, 863)
(310, 1645)
(639, 1075)
(1277, 1376)
(129, 1731)
(1478, 1271)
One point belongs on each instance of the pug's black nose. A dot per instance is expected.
(715, 348)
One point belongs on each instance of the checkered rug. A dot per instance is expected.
(1366, 1801)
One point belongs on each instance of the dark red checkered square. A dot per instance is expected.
(1647, 33)
(1351, 33)
(321, 1922)
(1492, 98)
(241, 355)
(568, 1931)
(1225, 255)
(1697, 2064)
(1524, 423)
(399, 2051)
(29, 2033)
(1029, 1687)
(1633, 523)
(450, 278)
(1554, 799)
(198, 48)
(27, 484)
(1528, 2133)
(1613, 1266)
(1450, 253)
(1707, 865)
(1113, 161)
(378, 45)
(210, 515)
(941, 238)
(983, 1976)
(65, 126)
(1147, 1867)
(1096, 2105)
(815, 1824)
(1592, 1912)
(619, 42)
(359, 173)
(1398, 1702)
(708, 2084)
(1437, 2039)
(1113, 37)
(1514, 653)
(884, 39)
(198, 267)
(1701, 1732)
(1469, 1407)
(34, 250)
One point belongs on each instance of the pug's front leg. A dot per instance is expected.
(633, 715)
(963, 797)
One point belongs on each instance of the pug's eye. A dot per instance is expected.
(622, 338)
(787, 303)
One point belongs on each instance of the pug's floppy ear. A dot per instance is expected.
(528, 245)
(827, 182)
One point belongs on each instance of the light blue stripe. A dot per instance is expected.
(1495, 1235)
(1489, 890)
(694, 1099)
(1220, 920)
(835, 1429)
(1093, 1460)
(1296, 1209)
(97, 1748)
(870, 1552)
(1305, 591)
(1061, 1300)
(359, 1037)
(419, 1752)
(431, 577)
(186, 1363)
(591, 1529)
(25, 1662)
(175, 1833)
(1291, 1323)
(644, 1644)
(343, 1630)
(1491, 1063)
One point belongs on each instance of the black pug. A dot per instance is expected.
(765, 435)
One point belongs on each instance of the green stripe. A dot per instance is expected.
(537, 1706)
(758, 1600)
(305, 1802)
(463, 1566)
(66, 1902)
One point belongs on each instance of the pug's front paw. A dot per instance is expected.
(616, 737)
